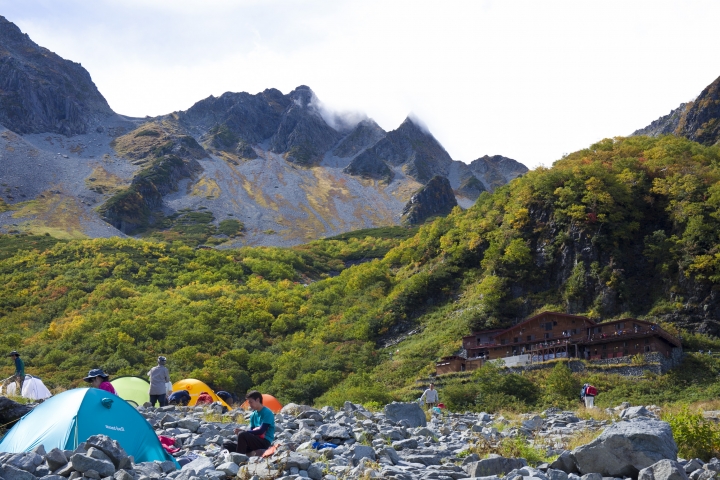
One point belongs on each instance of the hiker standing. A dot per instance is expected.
(159, 378)
(588, 395)
(19, 375)
(99, 379)
(430, 396)
(262, 427)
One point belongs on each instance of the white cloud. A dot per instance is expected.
(525, 79)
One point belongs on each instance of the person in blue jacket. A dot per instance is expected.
(262, 427)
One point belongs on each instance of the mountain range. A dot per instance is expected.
(238, 169)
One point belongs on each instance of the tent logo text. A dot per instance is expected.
(117, 429)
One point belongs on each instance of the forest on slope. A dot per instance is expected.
(628, 226)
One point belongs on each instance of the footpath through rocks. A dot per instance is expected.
(398, 443)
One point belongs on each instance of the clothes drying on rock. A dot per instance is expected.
(35, 389)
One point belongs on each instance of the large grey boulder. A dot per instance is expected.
(565, 462)
(410, 412)
(334, 430)
(635, 412)
(9, 472)
(625, 448)
(27, 461)
(149, 469)
(55, 459)
(663, 470)
(83, 463)
(495, 465)
(200, 465)
(359, 452)
(112, 449)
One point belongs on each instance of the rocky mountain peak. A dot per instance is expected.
(302, 96)
(42, 92)
(698, 120)
(435, 198)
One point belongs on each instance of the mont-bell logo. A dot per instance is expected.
(117, 429)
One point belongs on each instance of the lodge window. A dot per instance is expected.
(516, 339)
(647, 341)
(620, 326)
(529, 338)
(548, 335)
(548, 326)
(503, 341)
(604, 347)
(624, 344)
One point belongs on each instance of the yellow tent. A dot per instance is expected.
(195, 388)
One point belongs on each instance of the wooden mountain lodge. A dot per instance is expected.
(551, 335)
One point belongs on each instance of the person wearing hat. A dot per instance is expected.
(19, 375)
(159, 377)
(99, 379)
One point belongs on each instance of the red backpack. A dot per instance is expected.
(590, 390)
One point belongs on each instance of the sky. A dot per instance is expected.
(531, 80)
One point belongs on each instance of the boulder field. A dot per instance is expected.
(398, 443)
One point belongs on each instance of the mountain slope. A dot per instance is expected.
(698, 120)
(271, 164)
(626, 227)
(41, 92)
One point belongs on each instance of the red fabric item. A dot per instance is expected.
(269, 451)
(168, 444)
(590, 390)
(204, 398)
(441, 405)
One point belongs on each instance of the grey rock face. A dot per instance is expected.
(635, 412)
(495, 171)
(334, 430)
(200, 465)
(364, 135)
(369, 165)
(83, 463)
(55, 459)
(9, 472)
(663, 470)
(625, 448)
(410, 412)
(565, 462)
(10, 410)
(112, 449)
(41, 92)
(494, 466)
(435, 198)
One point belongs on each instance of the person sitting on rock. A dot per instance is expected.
(99, 379)
(262, 427)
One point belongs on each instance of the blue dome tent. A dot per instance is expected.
(69, 418)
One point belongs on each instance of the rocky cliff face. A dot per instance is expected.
(276, 162)
(495, 171)
(41, 92)
(698, 120)
(434, 199)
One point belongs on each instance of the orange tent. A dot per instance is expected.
(195, 388)
(268, 401)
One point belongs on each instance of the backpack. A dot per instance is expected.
(590, 390)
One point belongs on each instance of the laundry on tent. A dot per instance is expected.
(71, 417)
(135, 390)
(268, 401)
(195, 388)
(35, 389)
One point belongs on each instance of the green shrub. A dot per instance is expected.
(695, 436)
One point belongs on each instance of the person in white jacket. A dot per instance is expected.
(430, 397)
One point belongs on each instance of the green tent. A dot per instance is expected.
(133, 389)
(71, 417)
